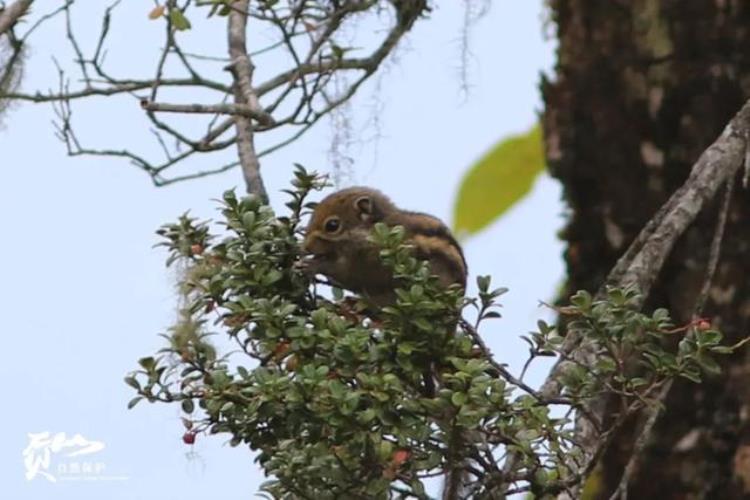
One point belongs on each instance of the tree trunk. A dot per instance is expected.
(641, 88)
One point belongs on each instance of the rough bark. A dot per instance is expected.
(642, 87)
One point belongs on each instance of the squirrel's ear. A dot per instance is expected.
(364, 207)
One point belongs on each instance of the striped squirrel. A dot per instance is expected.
(338, 247)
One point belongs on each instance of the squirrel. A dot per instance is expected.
(338, 245)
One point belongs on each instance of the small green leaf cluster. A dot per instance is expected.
(634, 356)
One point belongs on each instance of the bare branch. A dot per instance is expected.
(223, 109)
(716, 166)
(654, 412)
(305, 37)
(242, 71)
(118, 87)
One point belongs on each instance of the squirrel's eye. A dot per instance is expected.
(332, 225)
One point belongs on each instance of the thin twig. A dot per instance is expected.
(715, 251)
(643, 439)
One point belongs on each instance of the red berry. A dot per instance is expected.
(188, 437)
(196, 249)
(400, 456)
(703, 325)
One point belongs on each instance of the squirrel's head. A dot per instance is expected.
(342, 216)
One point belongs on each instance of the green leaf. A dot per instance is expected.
(385, 450)
(722, 349)
(132, 382)
(483, 283)
(708, 364)
(187, 405)
(179, 21)
(366, 416)
(458, 399)
(147, 363)
(422, 324)
(497, 181)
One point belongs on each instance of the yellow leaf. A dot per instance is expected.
(497, 181)
(157, 12)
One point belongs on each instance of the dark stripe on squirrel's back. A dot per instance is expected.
(439, 252)
(429, 225)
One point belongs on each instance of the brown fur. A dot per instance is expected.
(347, 257)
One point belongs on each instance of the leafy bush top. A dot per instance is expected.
(338, 399)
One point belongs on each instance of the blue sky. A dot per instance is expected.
(85, 294)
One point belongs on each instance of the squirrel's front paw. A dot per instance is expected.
(308, 265)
